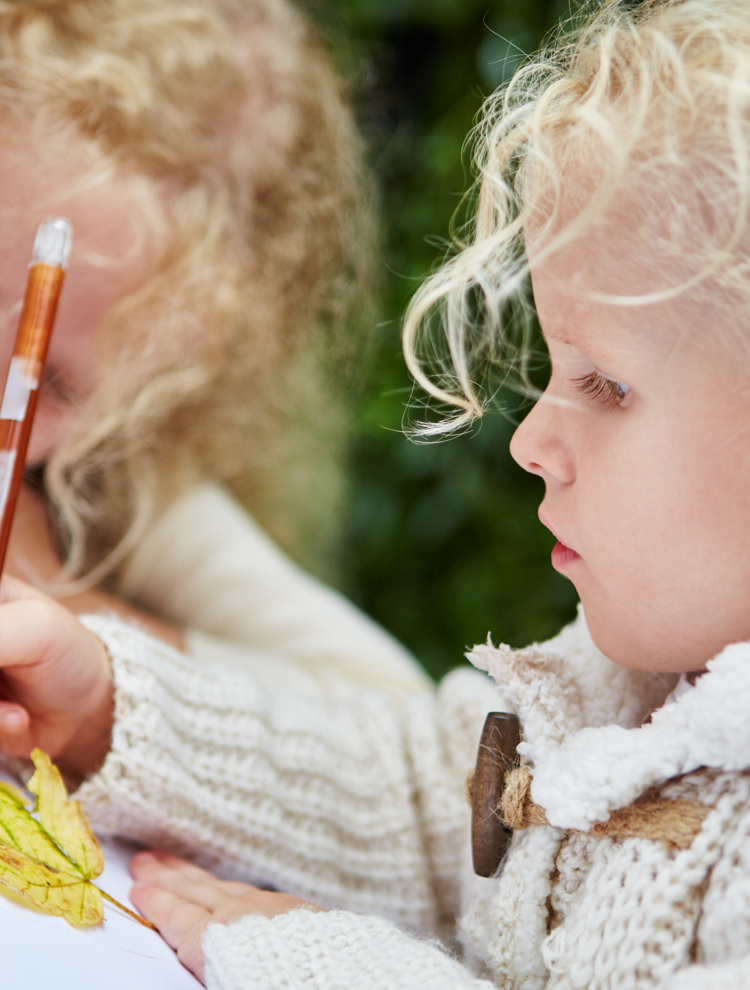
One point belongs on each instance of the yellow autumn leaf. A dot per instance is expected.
(13, 792)
(20, 831)
(50, 862)
(67, 895)
(62, 819)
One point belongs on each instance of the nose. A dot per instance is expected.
(539, 445)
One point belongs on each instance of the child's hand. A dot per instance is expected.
(182, 900)
(56, 686)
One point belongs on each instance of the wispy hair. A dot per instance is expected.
(641, 108)
(220, 364)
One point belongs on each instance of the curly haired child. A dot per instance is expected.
(614, 173)
(207, 159)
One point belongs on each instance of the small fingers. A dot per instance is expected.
(173, 915)
(223, 899)
(15, 730)
(182, 878)
(166, 859)
(180, 922)
(14, 720)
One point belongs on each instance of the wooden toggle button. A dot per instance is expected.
(497, 753)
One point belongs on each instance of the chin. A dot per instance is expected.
(616, 643)
(619, 646)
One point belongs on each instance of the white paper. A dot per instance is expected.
(41, 952)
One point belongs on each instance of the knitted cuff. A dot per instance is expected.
(335, 950)
(734, 975)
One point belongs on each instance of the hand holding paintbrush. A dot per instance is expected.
(56, 684)
(46, 699)
(46, 274)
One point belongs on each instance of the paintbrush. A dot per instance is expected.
(25, 375)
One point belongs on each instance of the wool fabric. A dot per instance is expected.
(205, 565)
(357, 805)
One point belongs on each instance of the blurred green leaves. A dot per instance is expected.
(443, 544)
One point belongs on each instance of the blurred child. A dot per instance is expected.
(615, 174)
(204, 153)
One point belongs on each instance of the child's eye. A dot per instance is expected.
(599, 387)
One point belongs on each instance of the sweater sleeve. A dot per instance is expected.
(305, 950)
(734, 975)
(206, 565)
(355, 804)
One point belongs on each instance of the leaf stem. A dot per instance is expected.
(136, 917)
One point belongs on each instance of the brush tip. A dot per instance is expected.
(53, 242)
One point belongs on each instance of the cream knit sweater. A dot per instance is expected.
(358, 805)
(205, 565)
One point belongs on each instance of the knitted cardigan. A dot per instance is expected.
(358, 806)
(205, 565)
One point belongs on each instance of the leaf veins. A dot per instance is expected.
(51, 862)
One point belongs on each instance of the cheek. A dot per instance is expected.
(71, 354)
(666, 575)
(71, 375)
(628, 499)
(50, 424)
(665, 497)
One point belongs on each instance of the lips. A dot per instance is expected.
(562, 555)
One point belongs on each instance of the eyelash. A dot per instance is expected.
(599, 387)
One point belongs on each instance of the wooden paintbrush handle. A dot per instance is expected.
(46, 275)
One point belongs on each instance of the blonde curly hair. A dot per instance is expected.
(220, 365)
(642, 108)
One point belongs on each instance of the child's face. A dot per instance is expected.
(643, 440)
(105, 264)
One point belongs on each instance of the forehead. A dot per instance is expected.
(576, 293)
(612, 255)
(591, 273)
(635, 228)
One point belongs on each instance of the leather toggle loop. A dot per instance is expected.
(499, 791)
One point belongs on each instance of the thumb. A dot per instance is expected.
(34, 630)
(55, 677)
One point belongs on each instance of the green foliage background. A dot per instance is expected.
(443, 544)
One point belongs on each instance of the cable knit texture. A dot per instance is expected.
(206, 565)
(359, 807)
(355, 804)
(338, 951)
